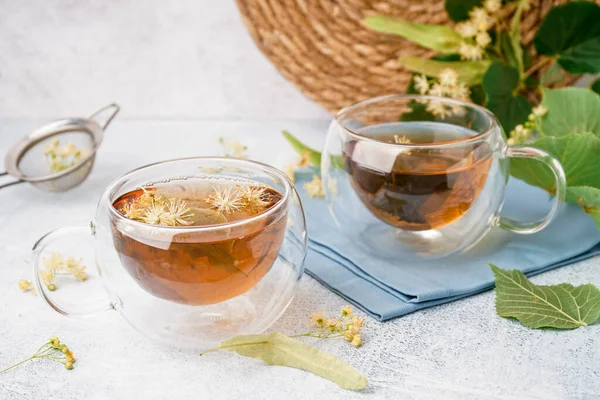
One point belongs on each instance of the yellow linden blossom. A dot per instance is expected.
(483, 39)
(154, 209)
(233, 148)
(466, 29)
(314, 188)
(524, 132)
(470, 52)
(76, 268)
(290, 171)
(62, 158)
(475, 30)
(347, 311)
(480, 18)
(448, 77)
(401, 139)
(447, 85)
(304, 160)
(421, 84)
(318, 319)
(52, 350)
(253, 197)
(25, 285)
(492, 5)
(539, 111)
(345, 325)
(57, 264)
(225, 201)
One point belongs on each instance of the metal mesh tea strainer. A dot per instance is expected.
(27, 160)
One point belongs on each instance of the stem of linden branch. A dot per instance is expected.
(537, 66)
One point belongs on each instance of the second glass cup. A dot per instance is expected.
(422, 177)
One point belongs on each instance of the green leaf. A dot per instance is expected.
(301, 148)
(570, 110)
(436, 37)
(561, 306)
(500, 82)
(595, 86)
(579, 155)
(588, 198)
(458, 10)
(469, 72)
(277, 349)
(507, 49)
(515, 38)
(478, 95)
(571, 32)
(552, 75)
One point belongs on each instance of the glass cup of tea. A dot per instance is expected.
(190, 251)
(421, 176)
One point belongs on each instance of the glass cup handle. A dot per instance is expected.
(526, 228)
(46, 242)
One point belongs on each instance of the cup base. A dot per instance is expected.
(418, 245)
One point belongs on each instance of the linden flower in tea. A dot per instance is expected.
(209, 265)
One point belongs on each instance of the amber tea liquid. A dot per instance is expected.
(417, 189)
(206, 266)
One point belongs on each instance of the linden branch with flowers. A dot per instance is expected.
(481, 58)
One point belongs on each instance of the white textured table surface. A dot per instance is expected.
(461, 350)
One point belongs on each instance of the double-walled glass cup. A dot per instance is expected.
(422, 177)
(190, 286)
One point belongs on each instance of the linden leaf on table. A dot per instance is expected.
(562, 306)
(278, 349)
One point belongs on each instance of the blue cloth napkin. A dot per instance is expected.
(386, 289)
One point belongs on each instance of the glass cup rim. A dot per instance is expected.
(111, 188)
(481, 135)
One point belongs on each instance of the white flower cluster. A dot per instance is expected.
(475, 30)
(446, 85)
(523, 132)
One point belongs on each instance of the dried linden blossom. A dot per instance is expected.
(345, 325)
(234, 149)
(314, 188)
(241, 198)
(62, 158)
(302, 162)
(57, 264)
(26, 286)
(52, 350)
(154, 209)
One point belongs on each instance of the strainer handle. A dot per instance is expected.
(51, 241)
(7, 184)
(114, 106)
